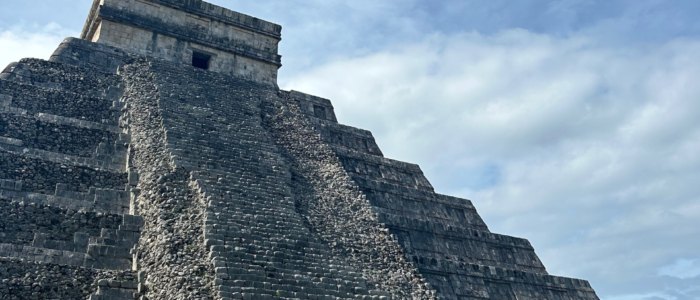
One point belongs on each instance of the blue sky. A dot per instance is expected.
(572, 123)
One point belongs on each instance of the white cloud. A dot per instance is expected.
(30, 41)
(591, 151)
(682, 268)
(650, 296)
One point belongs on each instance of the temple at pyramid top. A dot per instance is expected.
(189, 32)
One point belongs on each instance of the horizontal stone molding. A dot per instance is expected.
(417, 195)
(10, 141)
(346, 136)
(204, 9)
(49, 118)
(403, 223)
(438, 267)
(96, 205)
(186, 34)
(377, 160)
(13, 110)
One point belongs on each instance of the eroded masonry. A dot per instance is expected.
(156, 158)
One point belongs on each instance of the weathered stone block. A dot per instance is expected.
(5, 100)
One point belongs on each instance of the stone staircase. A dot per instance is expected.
(259, 245)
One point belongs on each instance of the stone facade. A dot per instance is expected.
(237, 44)
(66, 231)
(127, 175)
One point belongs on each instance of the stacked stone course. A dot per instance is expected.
(64, 192)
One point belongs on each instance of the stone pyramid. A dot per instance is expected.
(156, 158)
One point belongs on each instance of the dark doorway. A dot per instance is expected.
(200, 60)
(319, 112)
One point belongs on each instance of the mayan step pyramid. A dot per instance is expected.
(156, 158)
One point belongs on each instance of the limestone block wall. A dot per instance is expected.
(92, 56)
(66, 231)
(166, 30)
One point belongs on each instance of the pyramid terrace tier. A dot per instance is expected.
(85, 82)
(346, 136)
(41, 176)
(54, 280)
(459, 280)
(33, 100)
(64, 139)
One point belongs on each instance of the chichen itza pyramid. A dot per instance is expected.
(156, 158)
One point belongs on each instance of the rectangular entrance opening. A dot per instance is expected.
(200, 60)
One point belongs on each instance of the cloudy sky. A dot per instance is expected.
(573, 123)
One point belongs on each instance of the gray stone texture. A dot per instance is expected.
(444, 236)
(31, 280)
(52, 137)
(130, 176)
(91, 57)
(64, 200)
(235, 44)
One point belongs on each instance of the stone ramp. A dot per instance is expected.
(64, 189)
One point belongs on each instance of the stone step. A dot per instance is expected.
(63, 139)
(107, 293)
(428, 245)
(350, 138)
(387, 191)
(86, 54)
(120, 238)
(21, 222)
(275, 272)
(382, 169)
(49, 281)
(34, 100)
(42, 176)
(81, 149)
(97, 195)
(109, 251)
(313, 106)
(83, 202)
(448, 217)
(321, 286)
(59, 120)
(63, 77)
(400, 222)
(473, 280)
